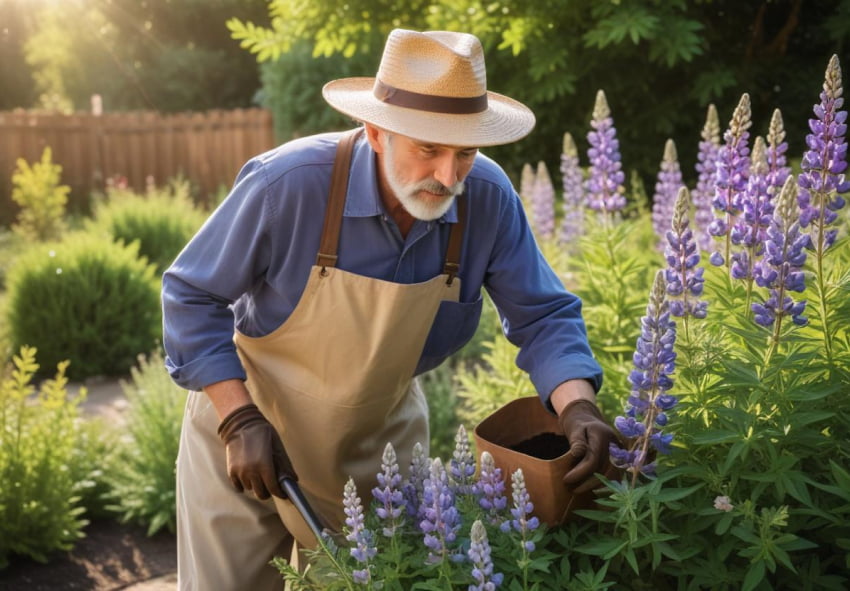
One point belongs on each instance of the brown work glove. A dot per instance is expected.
(589, 436)
(255, 454)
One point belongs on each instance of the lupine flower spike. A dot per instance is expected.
(363, 548)
(490, 489)
(605, 189)
(522, 521)
(482, 563)
(667, 187)
(388, 493)
(822, 181)
(526, 184)
(777, 171)
(462, 464)
(733, 170)
(706, 168)
(750, 230)
(572, 225)
(414, 486)
(440, 518)
(543, 203)
(649, 402)
(684, 278)
(781, 269)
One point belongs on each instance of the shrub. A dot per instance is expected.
(86, 299)
(39, 433)
(162, 220)
(143, 481)
(42, 199)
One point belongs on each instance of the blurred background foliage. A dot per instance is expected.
(660, 62)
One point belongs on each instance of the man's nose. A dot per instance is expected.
(446, 170)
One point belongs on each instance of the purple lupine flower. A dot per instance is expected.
(706, 167)
(462, 464)
(684, 278)
(363, 548)
(440, 519)
(667, 186)
(482, 564)
(822, 181)
(572, 224)
(750, 229)
(388, 493)
(733, 170)
(777, 171)
(648, 403)
(526, 184)
(523, 522)
(414, 485)
(490, 489)
(781, 268)
(605, 189)
(543, 203)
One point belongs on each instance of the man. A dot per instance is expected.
(351, 263)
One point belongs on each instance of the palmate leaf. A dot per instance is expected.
(632, 21)
(680, 42)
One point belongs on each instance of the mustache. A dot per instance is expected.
(438, 188)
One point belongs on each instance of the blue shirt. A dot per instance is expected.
(249, 263)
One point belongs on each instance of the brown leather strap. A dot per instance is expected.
(429, 102)
(452, 265)
(336, 199)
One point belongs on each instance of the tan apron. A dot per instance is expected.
(335, 379)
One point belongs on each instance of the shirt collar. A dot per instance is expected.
(362, 198)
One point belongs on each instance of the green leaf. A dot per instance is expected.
(754, 577)
(674, 494)
(715, 436)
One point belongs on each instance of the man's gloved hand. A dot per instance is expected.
(589, 436)
(255, 454)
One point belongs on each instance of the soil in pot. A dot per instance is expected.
(545, 446)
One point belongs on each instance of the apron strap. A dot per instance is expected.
(336, 204)
(336, 199)
(452, 265)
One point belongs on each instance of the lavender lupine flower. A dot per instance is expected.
(526, 184)
(605, 189)
(750, 229)
(706, 167)
(572, 225)
(822, 181)
(543, 203)
(667, 186)
(733, 170)
(490, 489)
(363, 548)
(440, 518)
(684, 278)
(414, 486)
(646, 409)
(462, 464)
(388, 493)
(482, 564)
(781, 268)
(777, 171)
(523, 522)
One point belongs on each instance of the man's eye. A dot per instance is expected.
(468, 154)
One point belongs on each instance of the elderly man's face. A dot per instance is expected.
(424, 177)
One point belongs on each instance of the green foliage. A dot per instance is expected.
(42, 199)
(143, 481)
(162, 220)
(39, 502)
(86, 299)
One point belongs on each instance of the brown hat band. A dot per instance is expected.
(428, 102)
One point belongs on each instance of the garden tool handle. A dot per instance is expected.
(293, 491)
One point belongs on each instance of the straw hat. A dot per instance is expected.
(432, 87)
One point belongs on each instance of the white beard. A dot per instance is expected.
(408, 193)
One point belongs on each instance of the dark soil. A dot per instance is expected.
(545, 446)
(111, 556)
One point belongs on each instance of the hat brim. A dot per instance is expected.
(504, 121)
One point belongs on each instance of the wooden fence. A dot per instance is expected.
(207, 148)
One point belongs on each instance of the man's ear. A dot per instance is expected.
(375, 137)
